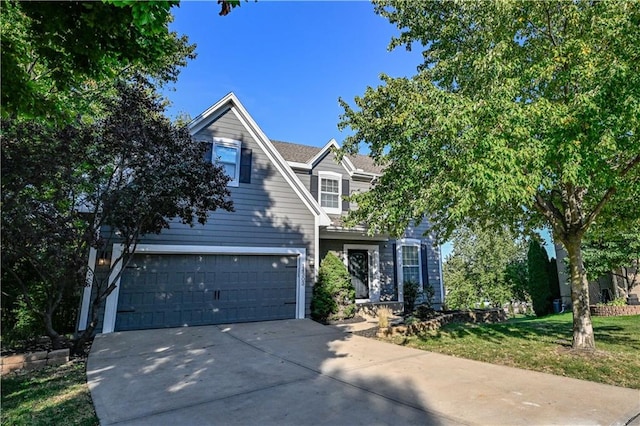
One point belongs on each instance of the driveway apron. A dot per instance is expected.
(298, 372)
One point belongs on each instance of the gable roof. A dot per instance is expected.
(305, 154)
(231, 102)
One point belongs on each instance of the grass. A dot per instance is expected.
(52, 396)
(544, 344)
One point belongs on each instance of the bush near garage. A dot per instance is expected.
(334, 297)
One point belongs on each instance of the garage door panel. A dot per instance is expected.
(175, 290)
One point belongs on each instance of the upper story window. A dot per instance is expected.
(330, 191)
(226, 153)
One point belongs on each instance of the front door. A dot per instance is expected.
(359, 270)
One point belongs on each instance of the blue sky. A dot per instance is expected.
(288, 62)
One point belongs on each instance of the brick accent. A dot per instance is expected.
(33, 361)
(614, 311)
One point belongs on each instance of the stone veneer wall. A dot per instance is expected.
(614, 311)
(479, 316)
(33, 361)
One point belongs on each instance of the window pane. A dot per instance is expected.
(410, 256)
(329, 185)
(411, 273)
(329, 200)
(225, 154)
(229, 169)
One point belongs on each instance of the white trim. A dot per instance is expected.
(330, 176)
(331, 144)
(295, 165)
(316, 250)
(86, 294)
(111, 305)
(412, 242)
(228, 143)
(374, 268)
(346, 162)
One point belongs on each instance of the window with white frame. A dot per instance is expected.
(226, 153)
(410, 268)
(330, 191)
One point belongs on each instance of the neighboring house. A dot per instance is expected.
(601, 290)
(261, 261)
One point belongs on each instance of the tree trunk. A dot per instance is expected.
(583, 338)
(57, 341)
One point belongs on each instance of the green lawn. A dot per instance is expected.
(544, 344)
(52, 396)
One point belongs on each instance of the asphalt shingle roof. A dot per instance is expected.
(303, 153)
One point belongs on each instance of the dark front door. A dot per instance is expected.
(359, 270)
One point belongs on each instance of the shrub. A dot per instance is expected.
(537, 261)
(428, 294)
(618, 301)
(334, 297)
(411, 291)
(425, 312)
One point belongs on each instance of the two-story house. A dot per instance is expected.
(261, 261)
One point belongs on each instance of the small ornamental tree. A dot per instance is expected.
(334, 297)
(90, 186)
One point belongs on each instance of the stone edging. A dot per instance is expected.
(481, 316)
(33, 360)
(613, 311)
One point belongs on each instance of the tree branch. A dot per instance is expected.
(630, 165)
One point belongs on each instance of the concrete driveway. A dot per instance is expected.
(298, 372)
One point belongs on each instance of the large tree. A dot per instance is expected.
(90, 185)
(525, 113)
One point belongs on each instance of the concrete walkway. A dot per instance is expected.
(298, 372)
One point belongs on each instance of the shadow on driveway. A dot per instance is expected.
(298, 372)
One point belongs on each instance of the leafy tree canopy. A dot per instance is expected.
(486, 265)
(522, 113)
(57, 56)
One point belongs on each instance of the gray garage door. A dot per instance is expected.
(176, 290)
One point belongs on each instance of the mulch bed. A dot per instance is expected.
(354, 320)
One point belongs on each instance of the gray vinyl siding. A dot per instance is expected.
(433, 265)
(305, 178)
(357, 186)
(328, 164)
(268, 212)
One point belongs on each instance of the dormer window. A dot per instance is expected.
(330, 192)
(226, 153)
